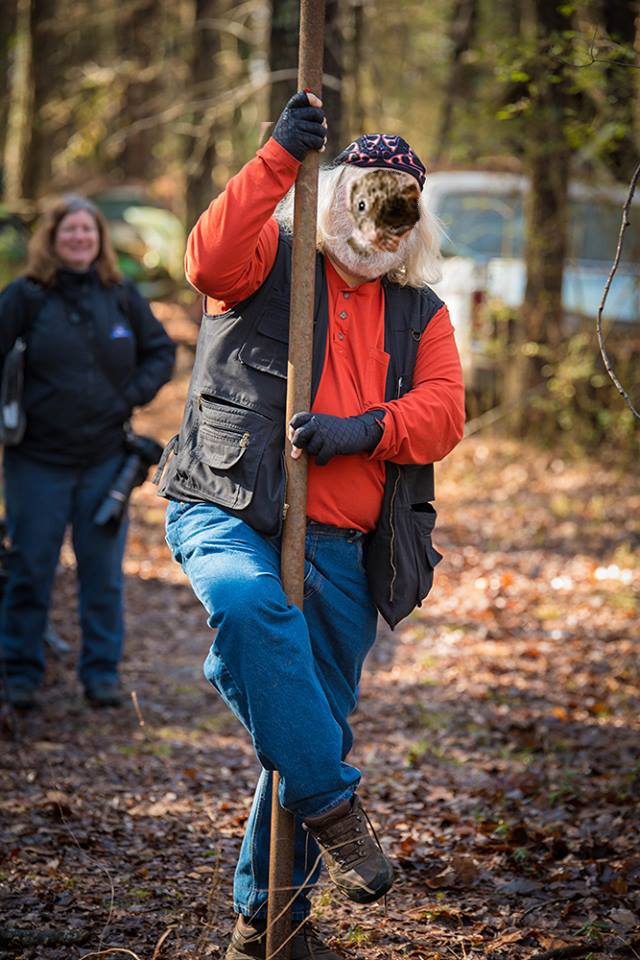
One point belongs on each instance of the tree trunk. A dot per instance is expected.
(462, 31)
(332, 96)
(201, 148)
(283, 52)
(20, 108)
(358, 111)
(620, 20)
(7, 31)
(546, 219)
(283, 55)
(547, 164)
(38, 162)
(139, 43)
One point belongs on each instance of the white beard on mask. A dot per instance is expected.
(367, 265)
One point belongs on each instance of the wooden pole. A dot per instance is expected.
(310, 55)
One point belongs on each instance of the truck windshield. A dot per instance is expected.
(594, 232)
(486, 225)
(482, 225)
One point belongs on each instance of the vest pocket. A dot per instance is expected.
(267, 346)
(400, 557)
(229, 445)
(422, 519)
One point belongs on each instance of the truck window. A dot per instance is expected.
(481, 225)
(594, 229)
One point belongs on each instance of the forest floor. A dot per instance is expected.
(498, 734)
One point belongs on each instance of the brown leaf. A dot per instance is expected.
(57, 803)
(504, 939)
(465, 870)
(408, 845)
(624, 919)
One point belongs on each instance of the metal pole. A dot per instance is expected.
(310, 54)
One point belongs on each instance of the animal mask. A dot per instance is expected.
(384, 207)
(372, 217)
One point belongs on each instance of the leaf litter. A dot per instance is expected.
(497, 732)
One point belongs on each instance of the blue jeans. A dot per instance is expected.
(41, 499)
(291, 678)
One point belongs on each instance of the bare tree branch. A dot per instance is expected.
(612, 272)
(611, 45)
(215, 106)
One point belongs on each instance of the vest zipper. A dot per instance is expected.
(284, 506)
(392, 539)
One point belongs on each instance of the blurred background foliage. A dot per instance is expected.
(150, 106)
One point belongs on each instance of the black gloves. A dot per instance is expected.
(300, 127)
(327, 436)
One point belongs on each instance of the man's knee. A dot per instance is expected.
(235, 598)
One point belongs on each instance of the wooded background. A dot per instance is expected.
(176, 95)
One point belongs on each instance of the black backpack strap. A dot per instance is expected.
(123, 293)
(35, 298)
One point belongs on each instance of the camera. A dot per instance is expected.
(142, 453)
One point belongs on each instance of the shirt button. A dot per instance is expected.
(346, 295)
(341, 336)
(343, 314)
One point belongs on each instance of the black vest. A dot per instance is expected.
(230, 449)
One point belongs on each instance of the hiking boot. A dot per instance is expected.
(20, 694)
(249, 942)
(351, 851)
(106, 694)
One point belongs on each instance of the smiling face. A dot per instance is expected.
(372, 220)
(77, 240)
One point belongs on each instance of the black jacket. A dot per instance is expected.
(230, 447)
(93, 353)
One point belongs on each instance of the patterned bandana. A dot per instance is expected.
(382, 150)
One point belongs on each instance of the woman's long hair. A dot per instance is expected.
(423, 264)
(42, 262)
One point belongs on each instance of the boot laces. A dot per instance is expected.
(346, 840)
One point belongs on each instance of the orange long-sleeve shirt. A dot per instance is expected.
(231, 250)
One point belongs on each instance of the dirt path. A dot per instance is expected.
(498, 735)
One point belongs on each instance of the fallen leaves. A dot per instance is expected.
(497, 734)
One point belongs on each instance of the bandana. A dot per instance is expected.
(382, 150)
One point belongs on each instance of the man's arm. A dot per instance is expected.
(233, 245)
(428, 422)
(421, 427)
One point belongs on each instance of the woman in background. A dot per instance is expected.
(94, 352)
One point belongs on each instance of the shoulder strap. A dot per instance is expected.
(34, 299)
(123, 293)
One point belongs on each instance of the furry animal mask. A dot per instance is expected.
(371, 221)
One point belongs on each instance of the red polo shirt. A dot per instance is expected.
(231, 250)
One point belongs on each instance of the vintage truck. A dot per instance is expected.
(483, 217)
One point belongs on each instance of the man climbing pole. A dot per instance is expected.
(387, 402)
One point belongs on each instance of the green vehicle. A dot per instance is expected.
(148, 239)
